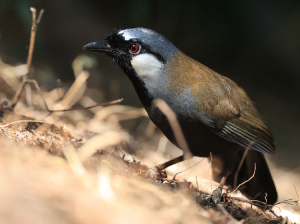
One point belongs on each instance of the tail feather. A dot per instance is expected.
(262, 182)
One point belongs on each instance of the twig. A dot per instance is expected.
(26, 79)
(296, 193)
(287, 201)
(28, 95)
(246, 180)
(259, 204)
(167, 111)
(86, 108)
(40, 16)
(188, 168)
(18, 94)
(30, 53)
(32, 38)
(241, 163)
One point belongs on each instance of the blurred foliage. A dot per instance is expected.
(20, 8)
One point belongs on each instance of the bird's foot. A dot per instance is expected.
(156, 172)
(211, 200)
(216, 195)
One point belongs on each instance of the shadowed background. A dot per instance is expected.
(255, 43)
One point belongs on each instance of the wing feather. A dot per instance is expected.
(236, 118)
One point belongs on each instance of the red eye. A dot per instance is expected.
(135, 49)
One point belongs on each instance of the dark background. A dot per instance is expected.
(256, 43)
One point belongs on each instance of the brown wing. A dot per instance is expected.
(235, 117)
(222, 105)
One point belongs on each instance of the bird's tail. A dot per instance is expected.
(262, 182)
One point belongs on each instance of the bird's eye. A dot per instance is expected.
(135, 49)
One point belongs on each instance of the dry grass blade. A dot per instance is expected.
(120, 109)
(10, 74)
(163, 106)
(74, 161)
(70, 96)
(17, 98)
(98, 142)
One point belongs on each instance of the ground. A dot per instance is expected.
(84, 167)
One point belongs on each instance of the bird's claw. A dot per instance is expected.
(216, 195)
(211, 200)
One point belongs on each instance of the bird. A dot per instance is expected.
(216, 116)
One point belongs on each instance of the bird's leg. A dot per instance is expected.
(170, 162)
(156, 171)
(217, 193)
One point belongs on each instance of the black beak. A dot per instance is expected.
(99, 46)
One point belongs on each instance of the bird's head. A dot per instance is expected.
(140, 52)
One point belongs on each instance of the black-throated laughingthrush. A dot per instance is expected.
(215, 114)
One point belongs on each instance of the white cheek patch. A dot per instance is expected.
(146, 65)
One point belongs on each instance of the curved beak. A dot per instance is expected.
(99, 46)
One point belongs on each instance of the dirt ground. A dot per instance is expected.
(84, 166)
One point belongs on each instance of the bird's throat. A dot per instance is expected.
(147, 66)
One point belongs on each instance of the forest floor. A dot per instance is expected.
(83, 166)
